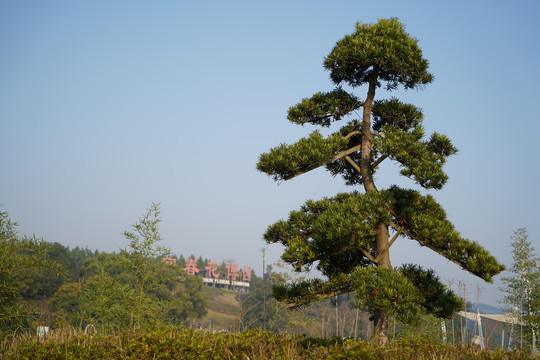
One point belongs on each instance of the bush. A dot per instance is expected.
(179, 343)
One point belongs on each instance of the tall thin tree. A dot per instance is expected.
(522, 287)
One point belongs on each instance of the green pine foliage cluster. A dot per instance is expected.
(323, 108)
(424, 220)
(384, 47)
(333, 233)
(288, 161)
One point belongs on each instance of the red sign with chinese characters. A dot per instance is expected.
(246, 273)
(191, 267)
(212, 270)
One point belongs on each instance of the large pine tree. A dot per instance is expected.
(347, 237)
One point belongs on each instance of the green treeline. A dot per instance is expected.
(44, 284)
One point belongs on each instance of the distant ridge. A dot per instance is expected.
(486, 309)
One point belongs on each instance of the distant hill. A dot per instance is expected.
(487, 309)
(223, 310)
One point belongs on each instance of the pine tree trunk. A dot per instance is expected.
(367, 137)
(380, 327)
(380, 317)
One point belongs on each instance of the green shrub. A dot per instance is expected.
(179, 343)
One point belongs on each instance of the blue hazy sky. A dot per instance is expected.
(108, 106)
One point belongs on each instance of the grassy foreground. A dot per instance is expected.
(179, 343)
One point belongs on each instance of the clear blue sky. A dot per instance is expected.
(106, 107)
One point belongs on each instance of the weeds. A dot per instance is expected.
(179, 343)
